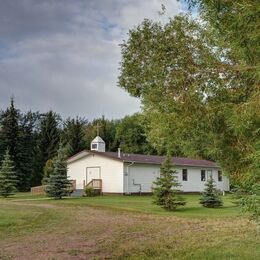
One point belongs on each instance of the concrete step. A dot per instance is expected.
(77, 193)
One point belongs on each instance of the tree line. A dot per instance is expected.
(33, 138)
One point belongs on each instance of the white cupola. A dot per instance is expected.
(98, 144)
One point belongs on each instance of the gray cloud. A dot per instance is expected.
(64, 55)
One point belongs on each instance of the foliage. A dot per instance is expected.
(49, 138)
(236, 25)
(199, 86)
(236, 22)
(10, 130)
(106, 129)
(58, 183)
(10, 134)
(8, 179)
(210, 197)
(89, 191)
(48, 170)
(17, 133)
(165, 187)
(49, 135)
(33, 139)
(28, 149)
(72, 135)
(170, 74)
(130, 134)
(250, 203)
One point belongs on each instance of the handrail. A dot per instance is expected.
(95, 184)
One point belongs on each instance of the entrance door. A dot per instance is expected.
(93, 173)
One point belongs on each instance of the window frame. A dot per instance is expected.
(220, 176)
(209, 173)
(184, 172)
(94, 146)
(203, 173)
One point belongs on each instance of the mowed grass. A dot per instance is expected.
(122, 227)
(143, 204)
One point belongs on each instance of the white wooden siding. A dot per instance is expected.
(111, 172)
(140, 176)
(145, 175)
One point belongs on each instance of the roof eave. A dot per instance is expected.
(187, 165)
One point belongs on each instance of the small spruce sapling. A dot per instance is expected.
(8, 178)
(210, 197)
(166, 187)
(58, 183)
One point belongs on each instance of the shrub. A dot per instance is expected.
(90, 192)
(250, 203)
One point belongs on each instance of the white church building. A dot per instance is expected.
(123, 173)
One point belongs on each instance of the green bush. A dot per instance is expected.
(250, 203)
(90, 192)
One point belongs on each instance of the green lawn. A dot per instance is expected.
(122, 227)
(144, 204)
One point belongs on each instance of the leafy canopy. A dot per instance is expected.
(197, 95)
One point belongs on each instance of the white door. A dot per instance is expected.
(93, 173)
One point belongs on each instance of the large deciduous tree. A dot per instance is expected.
(195, 96)
(235, 24)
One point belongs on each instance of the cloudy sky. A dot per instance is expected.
(64, 54)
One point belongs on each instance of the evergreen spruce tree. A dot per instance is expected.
(27, 149)
(58, 183)
(9, 136)
(7, 176)
(48, 140)
(210, 197)
(10, 130)
(18, 135)
(166, 187)
(73, 135)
